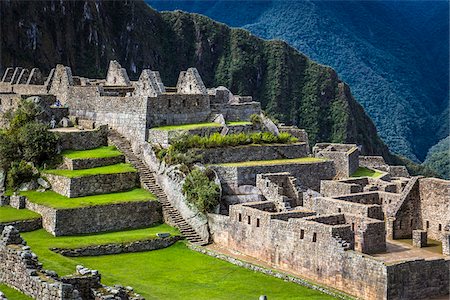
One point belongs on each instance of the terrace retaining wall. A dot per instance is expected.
(253, 152)
(24, 225)
(88, 163)
(93, 184)
(83, 139)
(116, 248)
(92, 219)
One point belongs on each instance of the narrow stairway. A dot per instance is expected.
(149, 182)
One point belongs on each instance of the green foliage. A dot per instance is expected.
(413, 168)
(19, 172)
(52, 199)
(182, 150)
(191, 273)
(255, 119)
(26, 140)
(201, 190)
(438, 158)
(36, 143)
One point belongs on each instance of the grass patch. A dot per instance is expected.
(253, 163)
(187, 126)
(239, 123)
(10, 214)
(13, 294)
(175, 272)
(112, 169)
(55, 200)
(101, 152)
(365, 172)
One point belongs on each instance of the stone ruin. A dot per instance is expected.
(21, 269)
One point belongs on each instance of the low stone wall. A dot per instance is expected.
(83, 139)
(309, 175)
(92, 219)
(24, 225)
(21, 270)
(253, 152)
(88, 163)
(117, 248)
(92, 185)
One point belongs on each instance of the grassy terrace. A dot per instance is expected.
(10, 214)
(112, 169)
(365, 172)
(12, 294)
(52, 199)
(101, 152)
(253, 163)
(172, 273)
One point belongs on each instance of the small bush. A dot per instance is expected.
(255, 119)
(200, 190)
(20, 172)
(37, 144)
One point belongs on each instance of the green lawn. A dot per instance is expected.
(112, 169)
(365, 172)
(175, 272)
(13, 294)
(55, 200)
(101, 152)
(237, 123)
(187, 126)
(301, 160)
(10, 214)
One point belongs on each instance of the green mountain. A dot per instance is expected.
(86, 35)
(394, 55)
(438, 158)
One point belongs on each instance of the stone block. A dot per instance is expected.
(419, 238)
(446, 244)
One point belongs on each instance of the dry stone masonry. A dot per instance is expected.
(310, 218)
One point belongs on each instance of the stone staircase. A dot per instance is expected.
(344, 244)
(148, 181)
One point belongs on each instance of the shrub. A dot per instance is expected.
(37, 144)
(255, 119)
(20, 172)
(200, 190)
(9, 149)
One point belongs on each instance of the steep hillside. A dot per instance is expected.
(86, 35)
(394, 55)
(438, 158)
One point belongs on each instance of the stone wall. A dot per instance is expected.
(430, 279)
(128, 115)
(92, 219)
(174, 109)
(83, 139)
(171, 182)
(24, 225)
(308, 175)
(117, 248)
(309, 248)
(345, 157)
(88, 163)
(435, 206)
(92, 184)
(21, 269)
(240, 111)
(253, 152)
(324, 205)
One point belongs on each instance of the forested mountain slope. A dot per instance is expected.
(394, 55)
(87, 35)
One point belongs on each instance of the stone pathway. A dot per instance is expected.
(149, 182)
